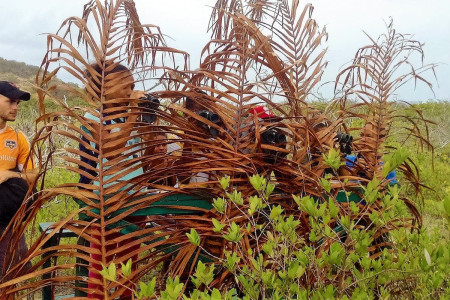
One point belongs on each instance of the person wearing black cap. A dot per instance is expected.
(14, 147)
(16, 169)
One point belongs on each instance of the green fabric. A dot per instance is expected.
(160, 208)
(342, 197)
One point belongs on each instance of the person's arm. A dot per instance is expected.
(25, 165)
(7, 174)
(28, 175)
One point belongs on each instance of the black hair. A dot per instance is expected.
(98, 68)
(194, 103)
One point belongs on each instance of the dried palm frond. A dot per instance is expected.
(225, 83)
(117, 37)
(377, 72)
(262, 52)
(368, 89)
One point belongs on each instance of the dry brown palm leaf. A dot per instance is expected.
(377, 72)
(224, 84)
(206, 116)
(291, 77)
(368, 87)
(120, 38)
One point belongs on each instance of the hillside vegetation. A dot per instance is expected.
(25, 76)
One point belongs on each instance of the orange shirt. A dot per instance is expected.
(14, 150)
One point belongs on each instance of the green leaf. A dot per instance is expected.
(276, 296)
(393, 160)
(268, 278)
(219, 204)
(234, 234)
(231, 294)
(258, 182)
(334, 210)
(326, 184)
(371, 191)
(109, 272)
(303, 257)
(333, 159)
(387, 167)
(216, 295)
(375, 218)
(255, 204)
(255, 264)
(312, 236)
(250, 288)
(447, 207)
(328, 232)
(287, 226)
(354, 207)
(295, 271)
(366, 263)
(203, 275)
(437, 279)
(275, 212)
(236, 197)
(329, 292)
(225, 182)
(297, 200)
(146, 290)
(307, 204)
(269, 189)
(326, 219)
(268, 247)
(336, 254)
(173, 289)
(231, 260)
(126, 269)
(217, 225)
(282, 274)
(345, 221)
(193, 237)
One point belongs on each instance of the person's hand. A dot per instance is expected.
(6, 174)
(135, 96)
(148, 106)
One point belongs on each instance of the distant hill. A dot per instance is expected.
(18, 72)
(19, 69)
(24, 75)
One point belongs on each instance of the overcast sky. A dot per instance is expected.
(25, 22)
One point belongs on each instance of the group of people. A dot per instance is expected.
(17, 167)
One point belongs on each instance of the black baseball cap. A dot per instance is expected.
(10, 90)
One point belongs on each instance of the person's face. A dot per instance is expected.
(160, 148)
(8, 108)
(122, 84)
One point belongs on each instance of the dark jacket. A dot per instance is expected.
(12, 194)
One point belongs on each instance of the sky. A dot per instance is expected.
(25, 23)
